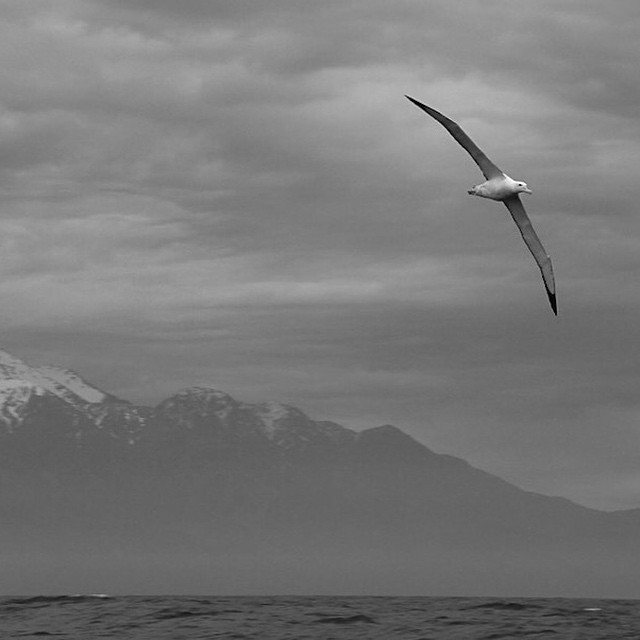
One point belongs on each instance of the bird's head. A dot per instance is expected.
(521, 187)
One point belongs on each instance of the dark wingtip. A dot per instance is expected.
(553, 302)
(432, 112)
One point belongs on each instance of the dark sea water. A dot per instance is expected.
(326, 617)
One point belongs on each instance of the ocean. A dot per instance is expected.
(78, 617)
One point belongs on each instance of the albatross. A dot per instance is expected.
(499, 186)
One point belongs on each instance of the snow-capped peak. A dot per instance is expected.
(61, 382)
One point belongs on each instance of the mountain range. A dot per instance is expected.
(207, 494)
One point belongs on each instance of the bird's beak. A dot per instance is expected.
(527, 191)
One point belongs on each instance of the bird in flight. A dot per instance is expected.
(499, 186)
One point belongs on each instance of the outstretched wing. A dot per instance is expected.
(516, 209)
(486, 166)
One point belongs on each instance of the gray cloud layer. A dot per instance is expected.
(238, 194)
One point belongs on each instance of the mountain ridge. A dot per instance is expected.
(283, 424)
(191, 409)
(262, 494)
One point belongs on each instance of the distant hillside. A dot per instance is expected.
(205, 493)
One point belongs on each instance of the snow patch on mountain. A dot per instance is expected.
(63, 383)
(283, 425)
(11, 387)
(14, 398)
(199, 401)
(271, 414)
(73, 382)
(123, 421)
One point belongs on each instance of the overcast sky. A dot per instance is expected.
(237, 194)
